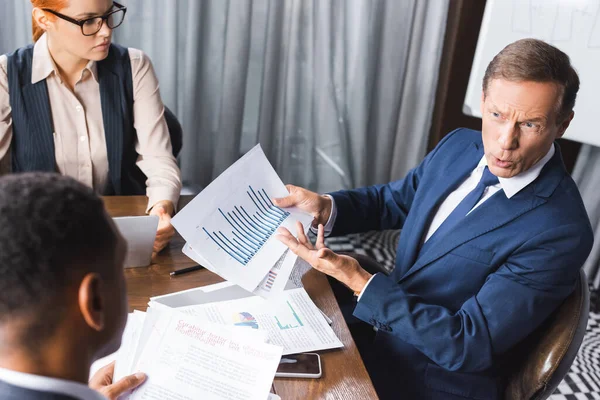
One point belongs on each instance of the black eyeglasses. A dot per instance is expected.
(91, 26)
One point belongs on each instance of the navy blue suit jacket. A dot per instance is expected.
(446, 317)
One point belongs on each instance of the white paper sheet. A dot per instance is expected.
(101, 363)
(131, 338)
(292, 320)
(301, 267)
(205, 294)
(222, 291)
(232, 222)
(273, 284)
(132, 328)
(194, 359)
(153, 323)
(191, 253)
(154, 328)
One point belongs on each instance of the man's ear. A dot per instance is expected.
(481, 103)
(564, 125)
(91, 301)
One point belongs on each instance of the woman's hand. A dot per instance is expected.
(164, 210)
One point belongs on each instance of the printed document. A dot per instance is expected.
(232, 222)
(194, 359)
(292, 320)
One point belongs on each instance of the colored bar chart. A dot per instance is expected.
(290, 325)
(249, 227)
(232, 224)
(271, 277)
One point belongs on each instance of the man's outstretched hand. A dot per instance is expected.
(343, 268)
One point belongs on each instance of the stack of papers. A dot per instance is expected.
(217, 342)
(230, 226)
(186, 357)
(225, 341)
(290, 320)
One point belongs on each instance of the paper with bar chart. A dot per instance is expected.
(273, 283)
(231, 223)
(292, 320)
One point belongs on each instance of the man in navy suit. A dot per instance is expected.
(63, 299)
(494, 233)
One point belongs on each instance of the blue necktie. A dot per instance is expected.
(463, 208)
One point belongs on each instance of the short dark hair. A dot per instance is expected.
(537, 61)
(52, 228)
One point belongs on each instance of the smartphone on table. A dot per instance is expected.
(303, 365)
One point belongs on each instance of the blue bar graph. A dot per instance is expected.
(290, 326)
(249, 228)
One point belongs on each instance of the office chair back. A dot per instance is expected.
(545, 356)
(175, 131)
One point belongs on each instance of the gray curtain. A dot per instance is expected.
(15, 24)
(587, 176)
(338, 92)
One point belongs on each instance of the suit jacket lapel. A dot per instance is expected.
(37, 105)
(112, 116)
(492, 214)
(432, 191)
(495, 212)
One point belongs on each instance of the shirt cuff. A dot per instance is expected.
(365, 288)
(163, 193)
(330, 222)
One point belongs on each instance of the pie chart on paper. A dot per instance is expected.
(245, 319)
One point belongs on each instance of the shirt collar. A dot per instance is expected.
(47, 384)
(43, 65)
(515, 184)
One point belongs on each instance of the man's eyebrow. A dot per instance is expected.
(494, 107)
(536, 119)
(533, 119)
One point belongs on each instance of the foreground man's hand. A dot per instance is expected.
(102, 382)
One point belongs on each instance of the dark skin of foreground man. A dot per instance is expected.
(63, 299)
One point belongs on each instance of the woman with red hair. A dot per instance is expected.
(76, 104)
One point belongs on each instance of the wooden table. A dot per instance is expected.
(344, 374)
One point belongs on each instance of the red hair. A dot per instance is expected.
(54, 5)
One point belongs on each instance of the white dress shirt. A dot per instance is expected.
(52, 385)
(79, 139)
(510, 186)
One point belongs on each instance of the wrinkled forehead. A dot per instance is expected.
(528, 97)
